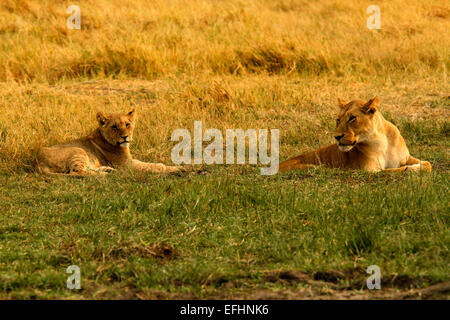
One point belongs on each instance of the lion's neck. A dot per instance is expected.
(375, 144)
(112, 154)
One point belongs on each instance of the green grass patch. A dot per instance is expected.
(195, 234)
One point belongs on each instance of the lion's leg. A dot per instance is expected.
(104, 169)
(66, 161)
(418, 165)
(294, 164)
(412, 165)
(47, 161)
(152, 167)
(401, 169)
(298, 166)
(78, 162)
(311, 160)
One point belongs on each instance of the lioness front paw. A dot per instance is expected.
(426, 166)
(422, 166)
(106, 169)
(173, 169)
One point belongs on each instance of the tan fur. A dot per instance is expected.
(102, 151)
(365, 141)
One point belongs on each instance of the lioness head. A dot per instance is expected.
(117, 128)
(355, 122)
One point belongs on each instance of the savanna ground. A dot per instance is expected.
(228, 233)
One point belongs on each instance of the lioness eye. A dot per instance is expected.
(128, 125)
(351, 118)
(337, 121)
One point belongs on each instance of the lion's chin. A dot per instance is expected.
(125, 145)
(346, 148)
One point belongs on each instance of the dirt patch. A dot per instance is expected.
(163, 251)
(350, 279)
(288, 276)
(321, 285)
(317, 291)
(93, 291)
(295, 277)
(436, 291)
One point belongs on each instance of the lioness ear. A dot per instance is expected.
(101, 118)
(132, 114)
(371, 105)
(341, 103)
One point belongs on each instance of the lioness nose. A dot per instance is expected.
(124, 137)
(338, 137)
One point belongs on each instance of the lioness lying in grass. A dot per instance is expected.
(105, 149)
(365, 140)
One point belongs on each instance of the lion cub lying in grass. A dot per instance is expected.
(365, 140)
(98, 153)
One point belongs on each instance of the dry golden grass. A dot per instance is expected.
(248, 64)
(161, 38)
